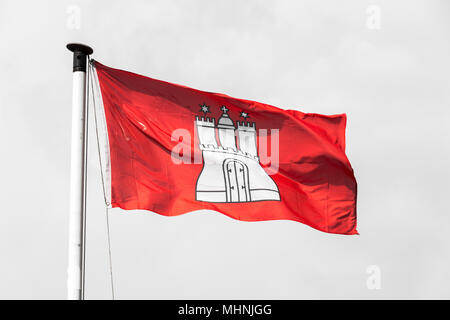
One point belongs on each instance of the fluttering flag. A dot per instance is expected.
(174, 150)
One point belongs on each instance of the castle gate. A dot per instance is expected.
(236, 180)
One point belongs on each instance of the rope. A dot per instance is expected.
(91, 70)
(108, 229)
(109, 253)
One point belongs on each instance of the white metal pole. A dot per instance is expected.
(77, 172)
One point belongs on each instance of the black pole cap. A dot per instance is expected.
(80, 51)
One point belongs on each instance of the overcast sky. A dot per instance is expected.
(384, 63)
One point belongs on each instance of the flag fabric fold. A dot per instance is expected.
(174, 150)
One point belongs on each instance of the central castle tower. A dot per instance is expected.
(231, 173)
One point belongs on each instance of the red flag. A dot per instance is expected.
(174, 149)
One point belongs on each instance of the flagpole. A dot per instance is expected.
(77, 172)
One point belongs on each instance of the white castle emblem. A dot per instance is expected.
(231, 174)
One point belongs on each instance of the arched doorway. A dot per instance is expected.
(236, 180)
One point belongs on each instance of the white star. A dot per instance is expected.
(244, 115)
(204, 108)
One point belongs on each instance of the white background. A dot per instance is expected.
(391, 77)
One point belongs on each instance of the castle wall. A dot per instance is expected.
(247, 138)
(225, 180)
(206, 130)
(211, 184)
(227, 137)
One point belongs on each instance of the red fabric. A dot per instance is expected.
(315, 179)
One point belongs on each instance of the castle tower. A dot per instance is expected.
(226, 130)
(247, 137)
(206, 130)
